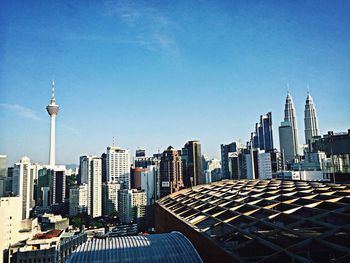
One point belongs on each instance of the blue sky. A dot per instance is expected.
(160, 73)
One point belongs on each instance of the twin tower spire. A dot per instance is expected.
(290, 119)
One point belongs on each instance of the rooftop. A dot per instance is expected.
(48, 235)
(269, 220)
(170, 247)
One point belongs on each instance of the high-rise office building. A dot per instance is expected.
(310, 121)
(286, 142)
(291, 117)
(264, 165)
(3, 165)
(91, 174)
(104, 167)
(135, 177)
(78, 199)
(58, 186)
(3, 177)
(52, 110)
(193, 167)
(23, 185)
(266, 122)
(96, 187)
(225, 150)
(235, 164)
(118, 166)
(171, 179)
(10, 222)
(132, 206)
(110, 197)
(212, 171)
(140, 153)
(262, 137)
(148, 182)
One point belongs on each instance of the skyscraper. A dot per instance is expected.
(3, 179)
(78, 199)
(171, 179)
(266, 136)
(52, 110)
(110, 197)
(310, 120)
(262, 137)
(118, 166)
(286, 141)
(193, 170)
(290, 115)
(23, 185)
(132, 206)
(58, 183)
(225, 150)
(91, 174)
(3, 165)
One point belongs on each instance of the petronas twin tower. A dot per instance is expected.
(310, 120)
(288, 130)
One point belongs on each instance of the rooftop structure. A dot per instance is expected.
(261, 220)
(51, 246)
(170, 247)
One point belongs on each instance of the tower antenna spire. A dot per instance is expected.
(308, 88)
(288, 90)
(53, 90)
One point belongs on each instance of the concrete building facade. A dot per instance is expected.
(118, 166)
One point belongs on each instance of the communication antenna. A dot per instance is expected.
(113, 142)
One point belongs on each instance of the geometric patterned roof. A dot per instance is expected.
(157, 248)
(269, 220)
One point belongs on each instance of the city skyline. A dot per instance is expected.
(180, 99)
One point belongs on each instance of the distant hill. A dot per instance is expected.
(72, 166)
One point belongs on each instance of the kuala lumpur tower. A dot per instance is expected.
(52, 110)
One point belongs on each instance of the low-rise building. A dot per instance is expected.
(52, 246)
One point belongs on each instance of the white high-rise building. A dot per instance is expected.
(290, 115)
(96, 187)
(78, 199)
(110, 197)
(52, 110)
(212, 169)
(23, 185)
(132, 206)
(264, 165)
(118, 166)
(91, 174)
(310, 120)
(10, 222)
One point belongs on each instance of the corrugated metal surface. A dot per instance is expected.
(158, 248)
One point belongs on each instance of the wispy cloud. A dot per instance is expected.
(32, 115)
(22, 111)
(70, 129)
(153, 30)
